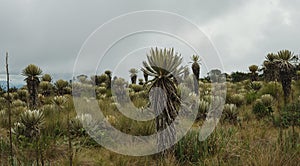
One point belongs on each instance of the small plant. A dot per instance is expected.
(260, 110)
(4, 149)
(253, 69)
(230, 114)
(101, 80)
(18, 103)
(101, 90)
(77, 125)
(251, 96)
(59, 101)
(203, 109)
(33, 122)
(189, 150)
(207, 98)
(242, 91)
(61, 86)
(136, 87)
(272, 88)
(141, 81)
(133, 75)
(119, 90)
(291, 115)
(45, 88)
(28, 131)
(237, 99)
(23, 94)
(255, 85)
(267, 100)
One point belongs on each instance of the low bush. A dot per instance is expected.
(272, 88)
(230, 114)
(237, 99)
(260, 110)
(203, 109)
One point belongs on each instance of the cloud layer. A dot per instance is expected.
(51, 33)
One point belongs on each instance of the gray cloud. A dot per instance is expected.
(246, 35)
(50, 33)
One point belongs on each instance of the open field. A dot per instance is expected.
(259, 124)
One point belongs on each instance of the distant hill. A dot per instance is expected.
(11, 85)
(15, 81)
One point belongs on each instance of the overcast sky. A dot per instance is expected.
(50, 33)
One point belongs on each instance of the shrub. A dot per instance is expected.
(237, 99)
(5, 95)
(190, 149)
(207, 98)
(139, 102)
(260, 110)
(30, 124)
(230, 114)
(101, 90)
(231, 86)
(76, 128)
(255, 86)
(213, 99)
(267, 100)
(102, 79)
(272, 88)
(133, 127)
(85, 121)
(251, 96)
(203, 109)
(111, 119)
(201, 84)
(119, 90)
(206, 89)
(45, 88)
(103, 85)
(141, 81)
(242, 91)
(59, 101)
(79, 88)
(15, 95)
(18, 103)
(136, 88)
(228, 96)
(2, 102)
(291, 115)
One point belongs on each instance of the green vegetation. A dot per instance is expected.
(259, 124)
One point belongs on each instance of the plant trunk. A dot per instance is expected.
(196, 86)
(286, 82)
(32, 85)
(280, 116)
(294, 135)
(69, 141)
(42, 156)
(145, 77)
(133, 79)
(196, 70)
(109, 83)
(34, 96)
(37, 152)
(9, 112)
(165, 107)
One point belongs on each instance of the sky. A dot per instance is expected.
(52, 33)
